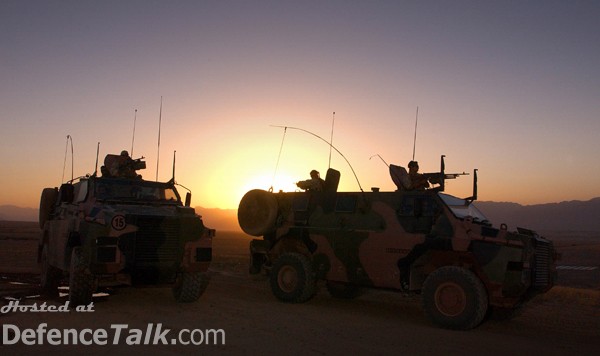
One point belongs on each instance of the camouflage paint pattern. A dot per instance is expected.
(359, 238)
(171, 236)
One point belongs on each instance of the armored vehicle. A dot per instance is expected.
(121, 229)
(422, 242)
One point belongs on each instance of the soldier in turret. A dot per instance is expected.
(417, 180)
(119, 166)
(315, 183)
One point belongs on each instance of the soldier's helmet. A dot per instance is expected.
(124, 153)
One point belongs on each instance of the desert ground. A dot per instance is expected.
(564, 321)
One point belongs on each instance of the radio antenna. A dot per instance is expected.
(324, 140)
(174, 153)
(331, 139)
(159, 123)
(133, 138)
(97, 153)
(415, 139)
(381, 158)
(69, 138)
(278, 157)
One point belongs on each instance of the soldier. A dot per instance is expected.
(126, 168)
(119, 166)
(417, 180)
(315, 183)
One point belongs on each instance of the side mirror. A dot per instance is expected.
(188, 199)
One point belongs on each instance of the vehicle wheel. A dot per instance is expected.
(81, 280)
(47, 202)
(50, 276)
(454, 298)
(342, 290)
(189, 286)
(257, 212)
(292, 278)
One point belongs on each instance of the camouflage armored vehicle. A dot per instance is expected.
(121, 229)
(414, 241)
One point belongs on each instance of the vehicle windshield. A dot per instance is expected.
(462, 208)
(135, 191)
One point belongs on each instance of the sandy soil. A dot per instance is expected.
(564, 321)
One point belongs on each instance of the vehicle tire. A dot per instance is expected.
(257, 212)
(47, 202)
(189, 286)
(342, 290)
(454, 298)
(292, 278)
(81, 280)
(50, 276)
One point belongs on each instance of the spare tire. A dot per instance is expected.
(47, 202)
(257, 212)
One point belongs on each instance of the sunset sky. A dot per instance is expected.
(509, 87)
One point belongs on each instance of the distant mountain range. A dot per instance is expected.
(15, 213)
(565, 216)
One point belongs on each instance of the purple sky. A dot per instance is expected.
(511, 88)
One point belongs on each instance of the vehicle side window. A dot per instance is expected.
(81, 189)
(169, 194)
(346, 203)
(416, 213)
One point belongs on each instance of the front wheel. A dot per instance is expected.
(189, 286)
(454, 298)
(292, 278)
(81, 280)
(50, 276)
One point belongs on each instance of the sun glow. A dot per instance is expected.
(279, 182)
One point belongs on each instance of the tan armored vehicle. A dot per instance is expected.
(119, 228)
(415, 241)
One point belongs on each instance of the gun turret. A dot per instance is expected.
(122, 166)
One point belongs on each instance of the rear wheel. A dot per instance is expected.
(454, 298)
(50, 276)
(81, 280)
(292, 278)
(189, 286)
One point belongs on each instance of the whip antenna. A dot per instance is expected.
(381, 158)
(174, 153)
(69, 138)
(330, 145)
(97, 153)
(415, 139)
(159, 122)
(133, 138)
(278, 157)
(331, 139)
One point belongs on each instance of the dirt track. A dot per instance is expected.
(564, 321)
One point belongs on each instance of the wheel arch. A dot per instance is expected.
(433, 260)
(289, 244)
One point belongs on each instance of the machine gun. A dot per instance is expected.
(122, 166)
(441, 176)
